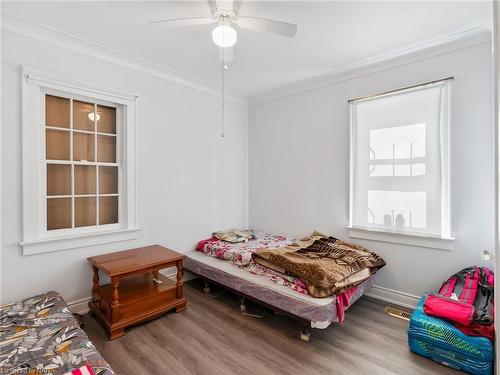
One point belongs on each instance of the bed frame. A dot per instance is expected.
(309, 312)
(305, 333)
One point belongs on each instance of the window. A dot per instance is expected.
(400, 162)
(81, 161)
(78, 162)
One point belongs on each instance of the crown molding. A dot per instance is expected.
(413, 53)
(73, 43)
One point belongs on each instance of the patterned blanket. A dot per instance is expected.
(39, 335)
(240, 255)
(327, 265)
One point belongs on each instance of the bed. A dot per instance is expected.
(231, 266)
(40, 335)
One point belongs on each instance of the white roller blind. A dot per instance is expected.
(399, 161)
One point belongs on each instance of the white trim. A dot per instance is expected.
(47, 245)
(37, 31)
(410, 54)
(80, 306)
(351, 167)
(446, 137)
(380, 293)
(59, 82)
(391, 296)
(443, 240)
(409, 239)
(36, 239)
(413, 53)
(394, 297)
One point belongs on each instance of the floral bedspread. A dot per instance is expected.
(240, 254)
(39, 335)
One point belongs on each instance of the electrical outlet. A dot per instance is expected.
(487, 255)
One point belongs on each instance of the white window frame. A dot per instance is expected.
(443, 241)
(36, 238)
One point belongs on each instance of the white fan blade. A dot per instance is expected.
(226, 54)
(213, 7)
(236, 6)
(270, 26)
(178, 22)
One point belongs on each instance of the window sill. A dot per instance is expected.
(432, 242)
(46, 245)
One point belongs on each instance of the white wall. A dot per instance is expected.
(496, 117)
(299, 165)
(190, 181)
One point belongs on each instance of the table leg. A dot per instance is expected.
(180, 272)
(156, 277)
(115, 305)
(95, 286)
(116, 332)
(180, 292)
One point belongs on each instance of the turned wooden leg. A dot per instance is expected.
(180, 292)
(95, 286)
(115, 305)
(156, 277)
(95, 280)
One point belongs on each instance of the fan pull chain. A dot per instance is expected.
(222, 93)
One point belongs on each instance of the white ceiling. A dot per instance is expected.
(331, 34)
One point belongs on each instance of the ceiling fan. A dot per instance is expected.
(224, 35)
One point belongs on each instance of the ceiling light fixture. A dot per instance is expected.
(93, 116)
(224, 35)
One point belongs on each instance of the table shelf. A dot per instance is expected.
(136, 288)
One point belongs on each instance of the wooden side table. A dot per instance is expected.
(137, 292)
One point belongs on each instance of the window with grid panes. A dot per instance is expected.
(82, 173)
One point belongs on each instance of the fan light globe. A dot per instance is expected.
(224, 36)
(94, 116)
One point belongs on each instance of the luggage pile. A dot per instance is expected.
(455, 327)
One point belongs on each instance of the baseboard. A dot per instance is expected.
(81, 306)
(393, 297)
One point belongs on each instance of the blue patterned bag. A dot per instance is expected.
(440, 341)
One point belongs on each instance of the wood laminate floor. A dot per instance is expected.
(214, 337)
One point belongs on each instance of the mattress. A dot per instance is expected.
(319, 311)
(40, 335)
(240, 254)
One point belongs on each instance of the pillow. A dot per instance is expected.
(235, 235)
